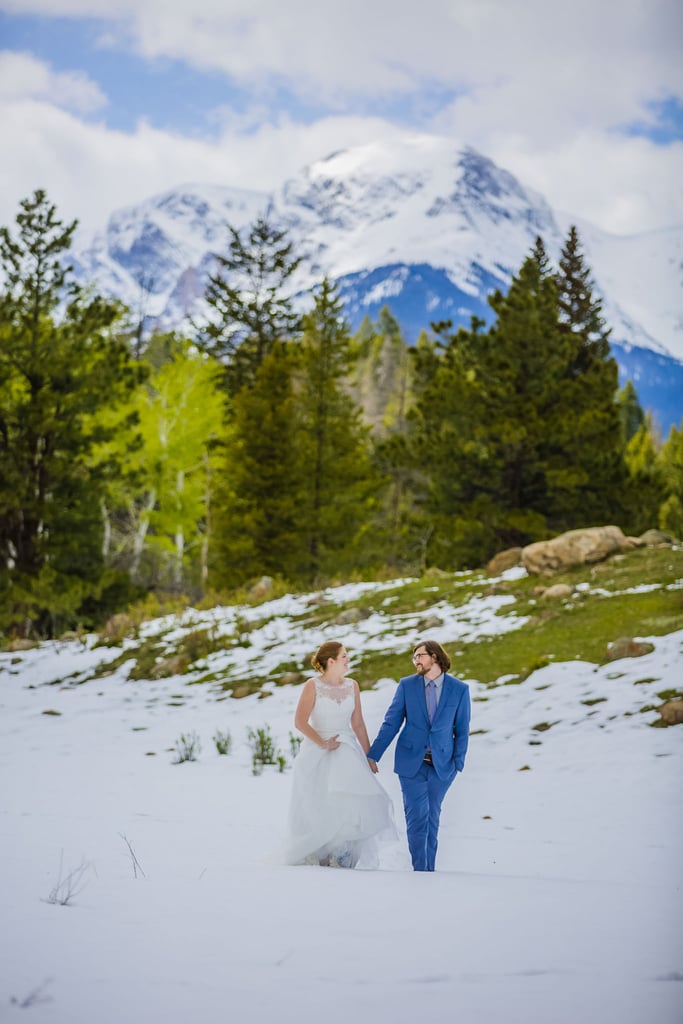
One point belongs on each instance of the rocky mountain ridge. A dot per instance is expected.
(421, 224)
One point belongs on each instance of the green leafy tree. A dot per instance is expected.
(646, 490)
(381, 378)
(670, 517)
(249, 308)
(382, 383)
(161, 516)
(61, 363)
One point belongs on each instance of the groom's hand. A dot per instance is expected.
(373, 766)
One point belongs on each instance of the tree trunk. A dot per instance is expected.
(179, 539)
(141, 533)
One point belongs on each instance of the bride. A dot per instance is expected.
(338, 808)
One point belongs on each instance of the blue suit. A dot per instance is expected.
(423, 785)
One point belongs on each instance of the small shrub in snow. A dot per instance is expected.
(294, 744)
(200, 644)
(223, 741)
(263, 750)
(187, 748)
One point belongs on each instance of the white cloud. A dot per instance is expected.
(542, 87)
(23, 76)
(623, 185)
(328, 49)
(89, 170)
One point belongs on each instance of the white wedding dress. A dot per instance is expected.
(338, 808)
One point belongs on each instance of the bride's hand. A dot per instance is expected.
(332, 743)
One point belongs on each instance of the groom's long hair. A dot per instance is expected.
(437, 652)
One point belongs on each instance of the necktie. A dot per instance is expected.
(431, 699)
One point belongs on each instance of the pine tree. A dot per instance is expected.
(250, 310)
(485, 422)
(631, 413)
(446, 457)
(261, 502)
(342, 498)
(580, 310)
(60, 367)
(588, 487)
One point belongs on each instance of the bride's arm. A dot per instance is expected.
(303, 713)
(357, 721)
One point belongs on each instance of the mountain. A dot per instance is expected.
(420, 224)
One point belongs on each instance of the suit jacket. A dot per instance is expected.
(447, 736)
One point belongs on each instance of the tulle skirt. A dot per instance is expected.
(339, 810)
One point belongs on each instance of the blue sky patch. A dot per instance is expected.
(665, 125)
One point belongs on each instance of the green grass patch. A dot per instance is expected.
(667, 695)
(582, 631)
(370, 667)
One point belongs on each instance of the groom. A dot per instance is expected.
(430, 751)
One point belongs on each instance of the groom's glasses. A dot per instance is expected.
(423, 654)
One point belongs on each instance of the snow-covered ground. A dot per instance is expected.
(557, 897)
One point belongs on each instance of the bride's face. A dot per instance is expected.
(342, 660)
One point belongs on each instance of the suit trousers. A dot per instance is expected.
(422, 798)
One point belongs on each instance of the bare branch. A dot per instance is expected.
(136, 863)
(67, 888)
(33, 998)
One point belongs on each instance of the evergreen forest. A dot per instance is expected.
(183, 467)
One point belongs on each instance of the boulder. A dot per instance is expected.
(507, 559)
(20, 644)
(626, 647)
(430, 622)
(351, 615)
(291, 678)
(261, 589)
(653, 538)
(577, 547)
(558, 592)
(118, 627)
(175, 665)
(672, 712)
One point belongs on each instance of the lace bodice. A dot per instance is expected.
(333, 707)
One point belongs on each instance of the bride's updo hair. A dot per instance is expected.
(326, 651)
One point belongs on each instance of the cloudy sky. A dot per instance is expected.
(106, 102)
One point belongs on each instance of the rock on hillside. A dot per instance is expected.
(576, 547)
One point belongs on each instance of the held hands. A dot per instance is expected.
(331, 744)
(374, 768)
